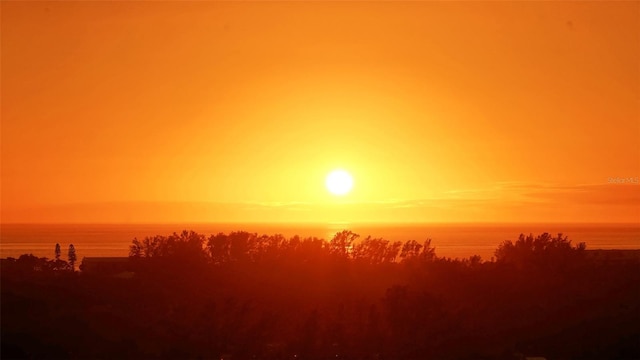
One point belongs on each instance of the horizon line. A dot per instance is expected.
(326, 223)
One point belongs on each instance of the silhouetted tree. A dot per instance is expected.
(58, 252)
(136, 248)
(219, 248)
(342, 243)
(370, 250)
(428, 252)
(410, 249)
(544, 250)
(29, 264)
(391, 252)
(72, 257)
(473, 261)
(243, 245)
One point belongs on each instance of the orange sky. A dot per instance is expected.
(200, 111)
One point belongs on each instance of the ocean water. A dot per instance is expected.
(450, 240)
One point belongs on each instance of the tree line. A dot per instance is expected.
(242, 246)
(242, 295)
(29, 262)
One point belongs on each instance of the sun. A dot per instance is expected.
(339, 182)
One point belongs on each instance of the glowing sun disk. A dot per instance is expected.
(339, 182)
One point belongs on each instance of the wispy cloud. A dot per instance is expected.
(501, 194)
(598, 194)
(500, 202)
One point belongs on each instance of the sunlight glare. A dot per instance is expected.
(339, 182)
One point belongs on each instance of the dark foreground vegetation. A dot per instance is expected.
(245, 296)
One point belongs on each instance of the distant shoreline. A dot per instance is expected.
(450, 240)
